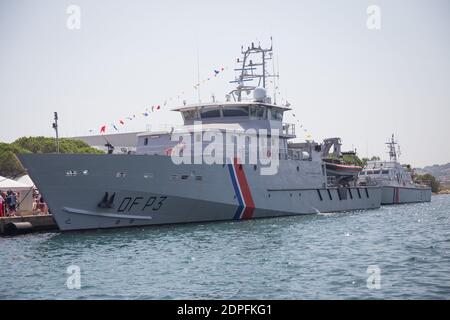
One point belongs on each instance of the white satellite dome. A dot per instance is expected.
(259, 94)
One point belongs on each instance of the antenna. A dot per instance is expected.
(198, 73)
(55, 126)
(274, 79)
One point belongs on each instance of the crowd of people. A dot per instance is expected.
(10, 204)
(39, 203)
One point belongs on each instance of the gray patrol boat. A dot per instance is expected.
(151, 186)
(396, 180)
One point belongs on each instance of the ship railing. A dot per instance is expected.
(423, 183)
(288, 129)
(331, 181)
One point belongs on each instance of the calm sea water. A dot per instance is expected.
(306, 257)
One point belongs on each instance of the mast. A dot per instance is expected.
(392, 152)
(55, 126)
(252, 70)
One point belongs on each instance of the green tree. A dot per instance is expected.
(429, 179)
(374, 158)
(352, 159)
(10, 165)
(47, 145)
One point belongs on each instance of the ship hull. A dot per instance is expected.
(398, 195)
(112, 191)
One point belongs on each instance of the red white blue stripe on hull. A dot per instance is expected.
(246, 205)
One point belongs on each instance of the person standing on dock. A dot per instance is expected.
(11, 201)
(2, 204)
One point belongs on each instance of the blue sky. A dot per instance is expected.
(341, 78)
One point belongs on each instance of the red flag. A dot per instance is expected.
(102, 129)
(121, 122)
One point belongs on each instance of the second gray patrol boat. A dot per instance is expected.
(147, 187)
(396, 181)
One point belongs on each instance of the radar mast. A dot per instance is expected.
(252, 70)
(392, 151)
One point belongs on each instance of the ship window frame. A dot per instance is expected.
(254, 112)
(205, 110)
(276, 114)
(192, 114)
(236, 108)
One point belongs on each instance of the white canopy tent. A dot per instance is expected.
(24, 192)
(25, 179)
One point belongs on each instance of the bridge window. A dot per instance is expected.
(210, 113)
(257, 112)
(276, 114)
(385, 172)
(145, 141)
(235, 112)
(190, 114)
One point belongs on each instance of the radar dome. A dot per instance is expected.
(259, 94)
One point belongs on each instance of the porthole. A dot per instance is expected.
(121, 175)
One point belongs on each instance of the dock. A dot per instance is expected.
(27, 224)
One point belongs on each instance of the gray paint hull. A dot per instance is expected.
(150, 190)
(397, 195)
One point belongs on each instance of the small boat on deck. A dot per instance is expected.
(340, 169)
(334, 164)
